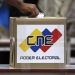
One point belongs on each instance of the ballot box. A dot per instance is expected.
(38, 43)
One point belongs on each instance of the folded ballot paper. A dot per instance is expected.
(40, 15)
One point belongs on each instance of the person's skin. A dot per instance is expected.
(24, 7)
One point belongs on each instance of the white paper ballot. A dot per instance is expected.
(40, 15)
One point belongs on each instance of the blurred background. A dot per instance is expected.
(51, 8)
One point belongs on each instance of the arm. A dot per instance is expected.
(16, 3)
(24, 7)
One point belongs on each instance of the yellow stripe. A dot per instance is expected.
(35, 33)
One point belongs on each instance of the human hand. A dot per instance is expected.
(29, 8)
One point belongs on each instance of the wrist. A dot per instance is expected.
(19, 4)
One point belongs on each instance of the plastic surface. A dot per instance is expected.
(4, 16)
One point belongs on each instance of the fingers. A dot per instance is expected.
(29, 8)
(33, 14)
(34, 11)
(37, 11)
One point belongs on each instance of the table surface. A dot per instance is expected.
(6, 68)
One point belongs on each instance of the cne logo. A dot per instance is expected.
(40, 40)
